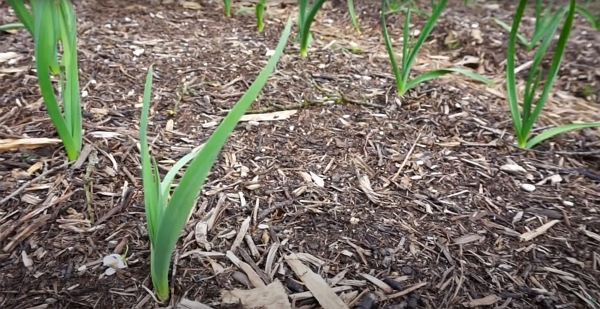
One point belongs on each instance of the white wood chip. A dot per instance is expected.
(305, 176)
(317, 180)
(310, 259)
(465, 239)
(380, 284)
(27, 262)
(200, 234)
(365, 185)
(7, 56)
(281, 115)
(241, 234)
(537, 232)
(517, 217)
(513, 169)
(306, 295)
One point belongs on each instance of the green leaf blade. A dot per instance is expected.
(390, 49)
(511, 82)
(45, 35)
(561, 46)
(183, 200)
(550, 133)
(441, 72)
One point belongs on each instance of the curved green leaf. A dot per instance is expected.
(437, 73)
(511, 82)
(150, 177)
(305, 19)
(353, 16)
(390, 49)
(559, 130)
(45, 35)
(593, 20)
(23, 14)
(12, 26)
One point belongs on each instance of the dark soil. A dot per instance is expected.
(415, 189)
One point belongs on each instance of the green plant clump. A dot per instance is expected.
(51, 24)
(410, 51)
(260, 11)
(305, 19)
(525, 119)
(545, 24)
(593, 19)
(166, 213)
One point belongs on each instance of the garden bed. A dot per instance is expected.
(360, 185)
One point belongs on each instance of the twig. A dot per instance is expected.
(29, 183)
(406, 158)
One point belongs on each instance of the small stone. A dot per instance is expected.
(528, 187)
(407, 270)
(568, 203)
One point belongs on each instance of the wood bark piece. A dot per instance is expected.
(316, 284)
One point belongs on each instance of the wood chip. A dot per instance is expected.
(27, 143)
(486, 301)
(317, 285)
(254, 278)
(380, 284)
(466, 239)
(281, 115)
(201, 235)
(365, 185)
(241, 234)
(405, 291)
(307, 295)
(537, 232)
(591, 234)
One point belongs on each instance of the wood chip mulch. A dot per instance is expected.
(332, 193)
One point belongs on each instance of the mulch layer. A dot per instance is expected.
(418, 202)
